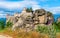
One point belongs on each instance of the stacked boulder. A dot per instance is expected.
(28, 19)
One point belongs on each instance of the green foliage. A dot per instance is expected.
(2, 25)
(57, 26)
(42, 29)
(49, 13)
(29, 10)
(47, 30)
(9, 24)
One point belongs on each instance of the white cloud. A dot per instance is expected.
(43, 0)
(18, 5)
(54, 10)
(38, 0)
(35, 7)
(2, 15)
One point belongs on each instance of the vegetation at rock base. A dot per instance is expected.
(9, 24)
(47, 30)
(2, 25)
(22, 34)
(41, 32)
(57, 26)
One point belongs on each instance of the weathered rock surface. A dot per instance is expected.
(21, 19)
(28, 20)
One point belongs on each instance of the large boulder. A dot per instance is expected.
(21, 20)
(41, 16)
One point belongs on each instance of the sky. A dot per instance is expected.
(13, 6)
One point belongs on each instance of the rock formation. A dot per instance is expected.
(28, 20)
(22, 18)
(50, 18)
(41, 16)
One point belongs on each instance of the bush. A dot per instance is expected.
(2, 24)
(57, 26)
(42, 29)
(47, 30)
(29, 10)
(9, 24)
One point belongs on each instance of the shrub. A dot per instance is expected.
(2, 24)
(47, 30)
(57, 26)
(9, 24)
(29, 10)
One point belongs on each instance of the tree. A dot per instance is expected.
(9, 24)
(57, 24)
(2, 24)
(29, 10)
(49, 14)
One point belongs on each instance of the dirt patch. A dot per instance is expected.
(22, 34)
(5, 36)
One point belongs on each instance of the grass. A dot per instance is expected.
(32, 34)
(22, 34)
(57, 29)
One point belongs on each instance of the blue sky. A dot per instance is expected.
(13, 6)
